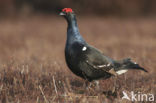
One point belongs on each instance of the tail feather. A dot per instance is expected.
(136, 66)
(125, 64)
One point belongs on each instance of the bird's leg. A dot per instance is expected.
(115, 87)
(85, 85)
(87, 82)
(96, 82)
(88, 85)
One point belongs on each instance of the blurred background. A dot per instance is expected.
(98, 7)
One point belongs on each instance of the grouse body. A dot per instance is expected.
(86, 61)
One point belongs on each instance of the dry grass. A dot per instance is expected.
(33, 69)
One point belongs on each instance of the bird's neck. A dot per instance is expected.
(73, 33)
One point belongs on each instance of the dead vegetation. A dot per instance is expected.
(33, 69)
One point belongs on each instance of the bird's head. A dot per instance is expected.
(69, 15)
(66, 12)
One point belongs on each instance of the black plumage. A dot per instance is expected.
(86, 61)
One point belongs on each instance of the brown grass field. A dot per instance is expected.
(33, 68)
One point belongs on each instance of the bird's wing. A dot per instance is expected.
(97, 60)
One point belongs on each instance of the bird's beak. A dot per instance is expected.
(62, 13)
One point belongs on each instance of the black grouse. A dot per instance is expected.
(86, 61)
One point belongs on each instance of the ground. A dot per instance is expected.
(33, 68)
